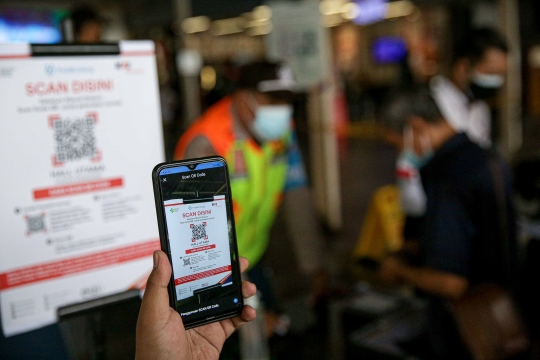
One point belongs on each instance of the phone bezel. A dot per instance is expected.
(163, 235)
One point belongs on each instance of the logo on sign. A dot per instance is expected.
(50, 69)
(123, 65)
(173, 210)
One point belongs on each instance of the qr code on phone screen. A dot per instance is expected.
(74, 139)
(35, 224)
(198, 232)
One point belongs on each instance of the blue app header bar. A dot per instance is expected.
(183, 168)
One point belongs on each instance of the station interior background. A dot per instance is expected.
(199, 43)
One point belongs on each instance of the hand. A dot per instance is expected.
(391, 270)
(160, 331)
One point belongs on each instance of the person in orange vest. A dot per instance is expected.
(253, 130)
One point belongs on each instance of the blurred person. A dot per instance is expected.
(87, 25)
(476, 74)
(458, 247)
(160, 331)
(253, 130)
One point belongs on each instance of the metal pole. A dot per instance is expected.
(189, 82)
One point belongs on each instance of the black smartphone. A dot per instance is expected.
(196, 229)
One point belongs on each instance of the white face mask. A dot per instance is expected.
(271, 121)
(490, 81)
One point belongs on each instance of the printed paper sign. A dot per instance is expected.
(79, 136)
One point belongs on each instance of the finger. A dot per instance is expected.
(248, 314)
(155, 303)
(230, 325)
(248, 289)
(244, 264)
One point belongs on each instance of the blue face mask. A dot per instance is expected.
(271, 121)
(414, 160)
(410, 157)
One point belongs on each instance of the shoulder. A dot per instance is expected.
(199, 146)
(460, 164)
(213, 130)
(459, 153)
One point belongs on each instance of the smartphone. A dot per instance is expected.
(196, 229)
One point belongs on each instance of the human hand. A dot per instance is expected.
(160, 331)
(390, 270)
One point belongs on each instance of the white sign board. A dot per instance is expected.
(299, 39)
(80, 131)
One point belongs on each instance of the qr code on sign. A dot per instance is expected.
(74, 139)
(198, 232)
(35, 224)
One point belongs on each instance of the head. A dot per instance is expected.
(414, 115)
(263, 100)
(87, 25)
(480, 63)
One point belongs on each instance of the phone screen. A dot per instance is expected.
(200, 230)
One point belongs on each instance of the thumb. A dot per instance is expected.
(155, 306)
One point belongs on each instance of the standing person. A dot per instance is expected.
(253, 130)
(459, 246)
(476, 74)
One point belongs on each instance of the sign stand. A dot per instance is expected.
(103, 328)
(80, 133)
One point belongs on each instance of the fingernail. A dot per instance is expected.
(156, 259)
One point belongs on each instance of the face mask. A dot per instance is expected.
(490, 81)
(484, 86)
(410, 157)
(271, 121)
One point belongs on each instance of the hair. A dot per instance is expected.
(477, 42)
(402, 105)
(251, 74)
(81, 15)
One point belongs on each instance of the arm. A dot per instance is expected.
(448, 236)
(429, 280)
(479, 125)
